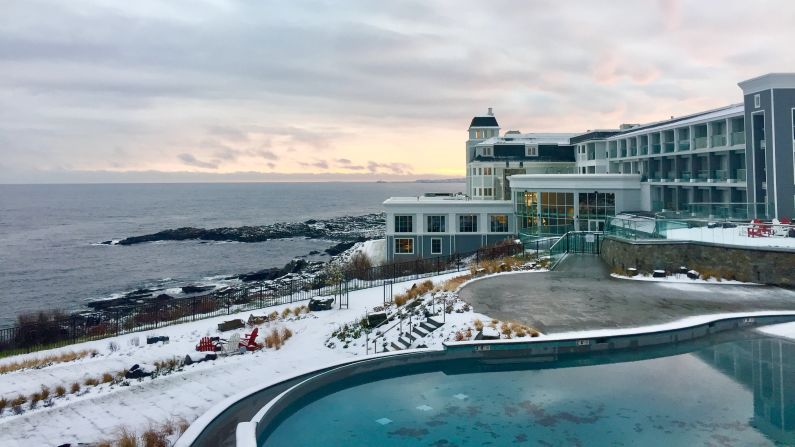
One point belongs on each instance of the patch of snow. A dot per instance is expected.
(786, 330)
(729, 236)
(491, 332)
(681, 278)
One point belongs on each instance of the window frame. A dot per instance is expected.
(441, 246)
(531, 151)
(443, 223)
(410, 222)
(492, 221)
(396, 245)
(474, 223)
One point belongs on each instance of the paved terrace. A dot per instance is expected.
(580, 294)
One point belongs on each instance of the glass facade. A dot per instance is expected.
(555, 213)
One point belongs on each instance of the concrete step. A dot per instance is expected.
(433, 321)
(403, 343)
(394, 347)
(421, 331)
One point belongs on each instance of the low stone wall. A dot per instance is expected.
(775, 266)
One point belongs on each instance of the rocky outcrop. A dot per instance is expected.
(348, 228)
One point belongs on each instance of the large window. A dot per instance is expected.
(468, 223)
(498, 223)
(596, 205)
(404, 224)
(436, 246)
(436, 224)
(404, 246)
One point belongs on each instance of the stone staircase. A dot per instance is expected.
(419, 331)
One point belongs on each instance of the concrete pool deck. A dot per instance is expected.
(581, 295)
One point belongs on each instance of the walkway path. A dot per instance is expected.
(580, 294)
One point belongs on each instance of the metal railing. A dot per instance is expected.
(586, 242)
(49, 329)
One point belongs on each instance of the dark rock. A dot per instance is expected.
(231, 324)
(314, 252)
(316, 304)
(341, 247)
(137, 372)
(152, 339)
(164, 297)
(196, 289)
(658, 274)
(692, 274)
(106, 242)
(376, 318)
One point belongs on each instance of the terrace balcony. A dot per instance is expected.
(702, 176)
(718, 140)
(655, 148)
(719, 175)
(700, 142)
(738, 139)
(668, 147)
(684, 145)
(685, 176)
(644, 150)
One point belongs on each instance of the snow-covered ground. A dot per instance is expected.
(97, 412)
(731, 236)
(681, 278)
(786, 330)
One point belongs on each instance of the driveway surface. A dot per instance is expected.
(580, 294)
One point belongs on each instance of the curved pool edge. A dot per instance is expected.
(588, 341)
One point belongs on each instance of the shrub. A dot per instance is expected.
(459, 336)
(40, 327)
(75, 388)
(478, 324)
(60, 390)
(297, 311)
(273, 316)
(154, 438)
(126, 438)
(113, 346)
(452, 284)
(107, 378)
(286, 312)
(359, 266)
(40, 362)
(91, 382)
(3, 404)
(286, 334)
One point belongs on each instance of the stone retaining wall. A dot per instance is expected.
(775, 266)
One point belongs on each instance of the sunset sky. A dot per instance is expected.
(355, 90)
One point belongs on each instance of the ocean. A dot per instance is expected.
(51, 256)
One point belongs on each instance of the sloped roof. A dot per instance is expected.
(484, 121)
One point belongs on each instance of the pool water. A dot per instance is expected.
(738, 393)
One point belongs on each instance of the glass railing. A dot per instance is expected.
(718, 140)
(684, 145)
(671, 176)
(740, 175)
(612, 153)
(700, 142)
(623, 152)
(655, 148)
(644, 150)
(719, 175)
(668, 147)
(702, 176)
(685, 176)
(738, 138)
(633, 151)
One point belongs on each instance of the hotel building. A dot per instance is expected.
(734, 162)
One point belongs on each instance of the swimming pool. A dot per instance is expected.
(738, 392)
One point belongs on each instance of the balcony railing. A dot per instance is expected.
(718, 140)
(668, 147)
(655, 148)
(671, 177)
(644, 150)
(702, 176)
(684, 145)
(738, 138)
(740, 175)
(612, 153)
(623, 152)
(719, 175)
(685, 176)
(700, 142)
(633, 151)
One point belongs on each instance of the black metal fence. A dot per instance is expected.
(49, 329)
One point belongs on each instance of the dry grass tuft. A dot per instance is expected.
(126, 438)
(154, 437)
(452, 284)
(418, 289)
(286, 312)
(91, 382)
(297, 311)
(40, 362)
(60, 391)
(489, 266)
(107, 378)
(3, 404)
(44, 393)
(75, 388)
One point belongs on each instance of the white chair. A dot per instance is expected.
(232, 346)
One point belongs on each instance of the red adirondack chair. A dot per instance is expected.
(206, 344)
(249, 341)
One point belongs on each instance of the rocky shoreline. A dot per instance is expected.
(347, 228)
(346, 231)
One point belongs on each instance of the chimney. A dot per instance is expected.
(491, 113)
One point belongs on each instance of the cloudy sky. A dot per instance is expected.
(295, 90)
